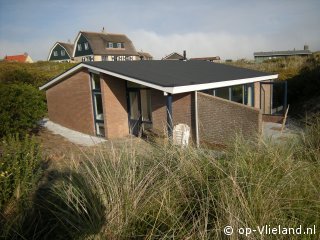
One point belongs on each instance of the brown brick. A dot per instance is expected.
(115, 106)
(70, 103)
(220, 119)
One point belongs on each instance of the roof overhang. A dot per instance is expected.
(172, 90)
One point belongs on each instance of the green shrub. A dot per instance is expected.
(21, 106)
(20, 167)
(35, 74)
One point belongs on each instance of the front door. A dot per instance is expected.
(135, 117)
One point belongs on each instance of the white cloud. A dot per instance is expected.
(198, 44)
(223, 44)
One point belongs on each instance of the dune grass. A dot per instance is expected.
(167, 192)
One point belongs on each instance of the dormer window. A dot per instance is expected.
(55, 53)
(63, 52)
(79, 47)
(118, 45)
(86, 46)
(110, 45)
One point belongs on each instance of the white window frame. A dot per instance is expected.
(63, 52)
(55, 53)
(79, 47)
(118, 45)
(110, 45)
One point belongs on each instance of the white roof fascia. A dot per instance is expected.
(204, 86)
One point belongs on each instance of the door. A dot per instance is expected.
(135, 118)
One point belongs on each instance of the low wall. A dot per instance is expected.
(220, 119)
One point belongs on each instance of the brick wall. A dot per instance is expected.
(70, 103)
(182, 110)
(220, 119)
(114, 106)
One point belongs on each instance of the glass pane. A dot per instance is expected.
(96, 81)
(98, 106)
(223, 93)
(134, 105)
(100, 129)
(146, 104)
(250, 95)
(237, 94)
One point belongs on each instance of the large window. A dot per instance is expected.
(241, 93)
(237, 94)
(55, 53)
(79, 47)
(146, 105)
(97, 104)
(63, 52)
(222, 93)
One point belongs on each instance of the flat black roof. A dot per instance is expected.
(171, 73)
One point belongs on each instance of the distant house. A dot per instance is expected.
(61, 52)
(262, 56)
(24, 58)
(174, 56)
(97, 46)
(93, 46)
(208, 59)
(145, 56)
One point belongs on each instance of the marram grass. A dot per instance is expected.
(165, 192)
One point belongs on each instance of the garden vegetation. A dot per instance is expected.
(173, 193)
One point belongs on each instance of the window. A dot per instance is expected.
(95, 82)
(104, 58)
(222, 93)
(63, 52)
(86, 46)
(97, 104)
(237, 93)
(79, 47)
(129, 58)
(110, 45)
(118, 45)
(121, 58)
(146, 104)
(55, 53)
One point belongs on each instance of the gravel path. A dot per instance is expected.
(71, 135)
(273, 131)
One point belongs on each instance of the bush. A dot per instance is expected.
(21, 106)
(20, 168)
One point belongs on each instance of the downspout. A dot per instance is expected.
(196, 117)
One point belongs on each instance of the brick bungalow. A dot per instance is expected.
(115, 99)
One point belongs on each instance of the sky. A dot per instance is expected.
(231, 29)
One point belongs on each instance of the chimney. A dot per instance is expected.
(184, 55)
(306, 47)
(102, 30)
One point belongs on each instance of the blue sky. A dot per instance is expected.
(230, 29)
